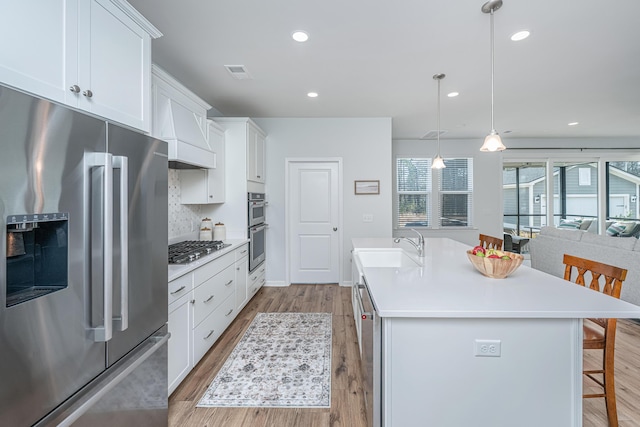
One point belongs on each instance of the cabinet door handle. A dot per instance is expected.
(209, 334)
(87, 93)
(229, 282)
(209, 299)
(257, 176)
(244, 252)
(181, 288)
(75, 89)
(230, 311)
(211, 196)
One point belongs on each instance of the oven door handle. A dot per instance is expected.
(365, 314)
(259, 228)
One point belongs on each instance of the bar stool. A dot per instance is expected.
(600, 334)
(490, 242)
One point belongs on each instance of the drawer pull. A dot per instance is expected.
(244, 252)
(209, 299)
(181, 288)
(229, 282)
(230, 311)
(209, 334)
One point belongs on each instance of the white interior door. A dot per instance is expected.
(314, 216)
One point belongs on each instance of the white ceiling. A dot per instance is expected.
(376, 58)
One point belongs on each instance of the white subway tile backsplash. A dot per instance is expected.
(183, 219)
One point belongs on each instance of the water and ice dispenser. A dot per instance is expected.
(36, 255)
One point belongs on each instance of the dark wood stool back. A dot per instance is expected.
(490, 242)
(599, 334)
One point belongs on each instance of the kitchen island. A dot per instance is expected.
(456, 348)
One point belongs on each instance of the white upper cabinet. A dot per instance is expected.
(255, 154)
(94, 55)
(204, 186)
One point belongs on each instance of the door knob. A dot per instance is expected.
(87, 93)
(335, 228)
(75, 88)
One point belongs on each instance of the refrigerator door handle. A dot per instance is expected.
(104, 332)
(122, 320)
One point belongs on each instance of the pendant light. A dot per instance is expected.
(492, 142)
(438, 162)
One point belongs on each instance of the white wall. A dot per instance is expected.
(364, 144)
(487, 185)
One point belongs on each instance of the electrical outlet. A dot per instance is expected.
(367, 217)
(488, 348)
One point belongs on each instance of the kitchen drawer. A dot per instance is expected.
(257, 280)
(212, 292)
(206, 334)
(255, 274)
(242, 252)
(210, 269)
(180, 287)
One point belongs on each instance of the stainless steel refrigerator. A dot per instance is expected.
(83, 273)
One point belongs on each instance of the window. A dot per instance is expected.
(415, 200)
(524, 197)
(413, 178)
(456, 193)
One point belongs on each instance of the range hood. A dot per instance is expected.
(188, 146)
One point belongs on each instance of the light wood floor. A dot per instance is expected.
(347, 404)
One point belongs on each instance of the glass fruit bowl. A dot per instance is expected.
(496, 268)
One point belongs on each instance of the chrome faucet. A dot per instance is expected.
(419, 246)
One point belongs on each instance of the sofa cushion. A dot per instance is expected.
(562, 233)
(585, 224)
(624, 243)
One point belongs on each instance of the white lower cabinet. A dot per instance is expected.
(207, 332)
(256, 280)
(242, 271)
(180, 346)
(202, 304)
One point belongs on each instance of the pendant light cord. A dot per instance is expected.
(438, 117)
(493, 127)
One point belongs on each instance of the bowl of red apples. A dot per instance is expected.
(494, 263)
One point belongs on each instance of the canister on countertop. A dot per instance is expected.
(206, 232)
(219, 232)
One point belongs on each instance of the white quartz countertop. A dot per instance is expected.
(447, 285)
(177, 270)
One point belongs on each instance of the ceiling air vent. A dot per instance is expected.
(239, 72)
(433, 134)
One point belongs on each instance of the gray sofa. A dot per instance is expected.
(548, 248)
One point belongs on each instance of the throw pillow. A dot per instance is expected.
(573, 225)
(615, 229)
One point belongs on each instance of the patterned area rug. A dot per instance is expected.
(283, 360)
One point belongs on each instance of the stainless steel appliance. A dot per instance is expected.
(83, 277)
(257, 229)
(191, 250)
(256, 210)
(371, 334)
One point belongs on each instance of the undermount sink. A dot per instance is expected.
(386, 258)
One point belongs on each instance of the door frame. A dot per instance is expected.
(287, 205)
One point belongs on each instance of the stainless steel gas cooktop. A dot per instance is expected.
(191, 250)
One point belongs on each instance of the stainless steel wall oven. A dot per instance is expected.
(257, 229)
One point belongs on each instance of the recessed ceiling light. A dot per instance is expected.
(520, 35)
(300, 36)
(312, 94)
(453, 94)
(573, 123)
